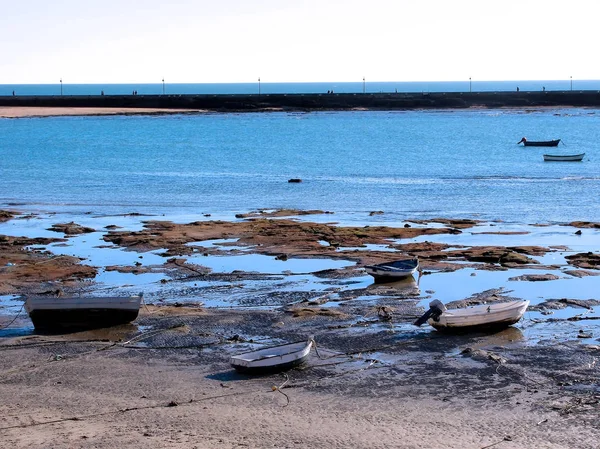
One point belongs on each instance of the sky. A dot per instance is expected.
(238, 41)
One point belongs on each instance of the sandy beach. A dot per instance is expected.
(35, 111)
(87, 391)
(165, 380)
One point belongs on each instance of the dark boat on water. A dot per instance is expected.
(539, 143)
(393, 271)
(50, 314)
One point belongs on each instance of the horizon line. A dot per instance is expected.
(360, 81)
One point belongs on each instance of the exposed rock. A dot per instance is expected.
(271, 237)
(70, 228)
(309, 312)
(584, 260)
(6, 215)
(557, 304)
(281, 213)
(127, 269)
(584, 224)
(584, 303)
(456, 223)
(498, 255)
(581, 273)
(487, 296)
(535, 277)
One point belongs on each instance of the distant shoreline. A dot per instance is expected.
(120, 104)
(57, 111)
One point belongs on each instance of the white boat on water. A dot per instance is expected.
(60, 313)
(563, 157)
(480, 317)
(273, 359)
(393, 271)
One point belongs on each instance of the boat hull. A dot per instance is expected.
(482, 318)
(563, 158)
(270, 368)
(389, 277)
(542, 143)
(78, 319)
(272, 360)
(392, 271)
(71, 314)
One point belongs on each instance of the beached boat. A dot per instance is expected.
(393, 271)
(273, 359)
(539, 143)
(78, 313)
(475, 318)
(564, 157)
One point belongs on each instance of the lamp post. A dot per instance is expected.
(61, 87)
(470, 90)
(571, 82)
(364, 87)
(163, 81)
(259, 85)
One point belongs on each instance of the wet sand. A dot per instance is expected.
(165, 380)
(373, 385)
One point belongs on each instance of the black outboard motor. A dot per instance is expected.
(436, 308)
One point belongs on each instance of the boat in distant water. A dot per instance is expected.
(539, 143)
(273, 359)
(482, 317)
(81, 313)
(393, 271)
(563, 158)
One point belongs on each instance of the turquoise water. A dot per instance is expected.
(412, 164)
(282, 88)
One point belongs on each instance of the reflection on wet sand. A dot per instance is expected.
(406, 285)
(504, 337)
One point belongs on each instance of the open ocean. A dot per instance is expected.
(412, 164)
(65, 88)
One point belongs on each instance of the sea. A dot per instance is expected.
(407, 164)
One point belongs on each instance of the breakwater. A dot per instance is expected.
(314, 102)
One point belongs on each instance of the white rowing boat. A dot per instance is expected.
(480, 317)
(563, 157)
(273, 359)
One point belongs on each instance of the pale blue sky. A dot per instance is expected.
(120, 41)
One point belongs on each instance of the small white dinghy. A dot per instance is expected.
(483, 317)
(563, 157)
(273, 359)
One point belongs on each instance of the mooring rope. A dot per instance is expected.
(15, 318)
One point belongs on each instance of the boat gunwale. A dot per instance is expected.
(301, 346)
(39, 303)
